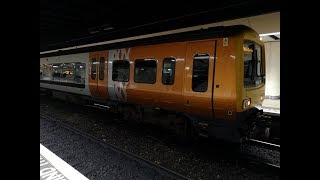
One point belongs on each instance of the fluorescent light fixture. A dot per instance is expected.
(269, 34)
(93, 32)
(107, 28)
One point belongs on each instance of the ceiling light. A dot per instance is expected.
(107, 28)
(93, 32)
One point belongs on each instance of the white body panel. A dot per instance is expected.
(117, 90)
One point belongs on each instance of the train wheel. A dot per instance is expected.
(137, 113)
(185, 131)
(191, 132)
(122, 116)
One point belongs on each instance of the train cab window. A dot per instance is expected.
(94, 68)
(120, 70)
(253, 66)
(101, 68)
(168, 71)
(200, 72)
(145, 71)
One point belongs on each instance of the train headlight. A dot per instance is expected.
(246, 103)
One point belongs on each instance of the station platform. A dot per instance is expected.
(271, 106)
(54, 168)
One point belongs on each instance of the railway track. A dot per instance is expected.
(159, 169)
(264, 144)
(258, 159)
(243, 157)
(250, 159)
(275, 127)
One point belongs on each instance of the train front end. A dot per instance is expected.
(252, 88)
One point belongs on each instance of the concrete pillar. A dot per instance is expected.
(272, 70)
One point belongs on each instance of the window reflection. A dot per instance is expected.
(63, 72)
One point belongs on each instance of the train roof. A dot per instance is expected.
(212, 32)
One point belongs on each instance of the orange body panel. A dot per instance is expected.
(98, 86)
(199, 103)
(158, 95)
(225, 91)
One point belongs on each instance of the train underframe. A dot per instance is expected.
(250, 124)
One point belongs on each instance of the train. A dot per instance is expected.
(209, 80)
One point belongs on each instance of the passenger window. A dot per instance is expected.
(200, 73)
(101, 68)
(145, 71)
(46, 71)
(79, 73)
(120, 70)
(57, 71)
(94, 68)
(65, 74)
(168, 71)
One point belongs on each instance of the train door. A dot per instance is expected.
(198, 79)
(98, 75)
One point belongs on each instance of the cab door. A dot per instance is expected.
(98, 75)
(198, 82)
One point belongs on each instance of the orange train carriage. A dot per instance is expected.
(211, 79)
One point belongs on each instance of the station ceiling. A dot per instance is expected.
(76, 22)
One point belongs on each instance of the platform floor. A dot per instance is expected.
(271, 105)
(53, 167)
